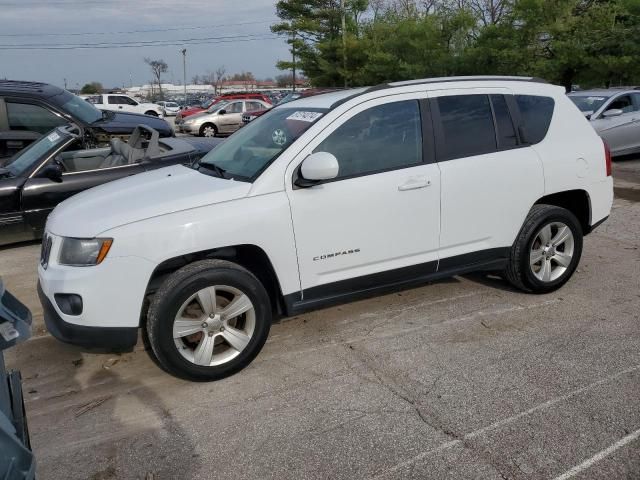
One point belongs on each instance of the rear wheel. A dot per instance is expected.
(208, 130)
(208, 320)
(547, 250)
(152, 113)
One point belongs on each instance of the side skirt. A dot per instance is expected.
(393, 280)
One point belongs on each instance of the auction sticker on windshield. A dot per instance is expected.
(304, 116)
(53, 136)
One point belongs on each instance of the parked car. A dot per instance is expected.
(310, 92)
(222, 118)
(169, 108)
(16, 458)
(118, 102)
(328, 198)
(59, 165)
(29, 109)
(615, 115)
(221, 98)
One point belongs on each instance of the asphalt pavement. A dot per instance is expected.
(463, 378)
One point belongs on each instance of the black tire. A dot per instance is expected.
(205, 126)
(151, 113)
(182, 284)
(519, 272)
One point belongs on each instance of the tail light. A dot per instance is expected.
(607, 158)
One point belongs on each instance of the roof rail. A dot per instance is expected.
(426, 81)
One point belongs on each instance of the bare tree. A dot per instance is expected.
(218, 77)
(158, 67)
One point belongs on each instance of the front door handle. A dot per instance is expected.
(414, 183)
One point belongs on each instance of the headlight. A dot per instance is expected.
(84, 252)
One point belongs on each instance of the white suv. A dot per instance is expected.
(322, 200)
(118, 102)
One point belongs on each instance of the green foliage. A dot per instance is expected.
(90, 88)
(586, 42)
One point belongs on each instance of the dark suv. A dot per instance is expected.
(29, 109)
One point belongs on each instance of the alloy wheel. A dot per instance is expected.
(214, 325)
(551, 251)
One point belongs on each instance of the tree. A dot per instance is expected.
(218, 77)
(158, 67)
(93, 87)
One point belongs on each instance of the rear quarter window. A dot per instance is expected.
(536, 113)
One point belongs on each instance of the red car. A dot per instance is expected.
(205, 106)
(247, 117)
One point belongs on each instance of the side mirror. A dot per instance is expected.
(52, 172)
(317, 167)
(588, 114)
(222, 112)
(614, 112)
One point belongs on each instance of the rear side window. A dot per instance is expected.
(506, 132)
(536, 113)
(467, 126)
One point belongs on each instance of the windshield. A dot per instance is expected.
(217, 106)
(22, 161)
(588, 103)
(77, 107)
(246, 153)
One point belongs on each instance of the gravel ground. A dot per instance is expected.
(464, 378)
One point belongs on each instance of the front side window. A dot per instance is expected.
(34, 118)
(536, 113)
(467, 126)
(129, 101)
(246, 153)
(380, 138)
(623, 103)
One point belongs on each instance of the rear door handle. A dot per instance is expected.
(414, 183)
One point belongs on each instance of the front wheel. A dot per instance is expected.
(547, 250)
(152, 113)
(208, 320)
(208, 130)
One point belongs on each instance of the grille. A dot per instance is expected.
(45, 251)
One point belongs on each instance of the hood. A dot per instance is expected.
(201, 114)
(139, 197)
(124, 123)
(191, 111)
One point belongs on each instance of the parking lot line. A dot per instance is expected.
(599, 456)
(508, 420)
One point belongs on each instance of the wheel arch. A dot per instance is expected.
(249, 256)
(577, 202)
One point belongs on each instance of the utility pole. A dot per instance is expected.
(65, 83)
(293, 50)
(344, 42)
(184, 73)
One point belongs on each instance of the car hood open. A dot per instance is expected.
(139, 197)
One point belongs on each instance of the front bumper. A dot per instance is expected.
(112, 296)
(187, 128)
(111, 338)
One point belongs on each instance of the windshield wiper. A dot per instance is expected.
(5, 172)
(219, 171)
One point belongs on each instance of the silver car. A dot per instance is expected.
(615, 115)
(221, 118)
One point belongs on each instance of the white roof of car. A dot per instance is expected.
(327, 100)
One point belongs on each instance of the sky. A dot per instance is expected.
(74, 23)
